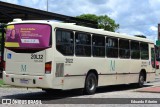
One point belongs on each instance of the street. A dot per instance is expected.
(118, 91)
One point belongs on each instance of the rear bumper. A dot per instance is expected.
(45, 81)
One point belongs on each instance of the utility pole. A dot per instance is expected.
(47, 5)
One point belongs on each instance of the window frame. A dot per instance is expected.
(112, 47)
(134, 50)
(98, 46)
(143, 50)
(64, 30)
(105, 37)
(85, 33)
(124, 48)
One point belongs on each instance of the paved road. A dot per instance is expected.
(120, 91)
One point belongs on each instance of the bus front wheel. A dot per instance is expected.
(141, 80)
(90, 84)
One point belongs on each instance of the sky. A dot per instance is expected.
(135, 17)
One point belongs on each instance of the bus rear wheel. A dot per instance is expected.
(90, 84)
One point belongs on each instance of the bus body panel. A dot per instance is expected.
(72, 74)
(122, 71)
(25, 64)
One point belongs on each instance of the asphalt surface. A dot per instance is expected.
(119, 94)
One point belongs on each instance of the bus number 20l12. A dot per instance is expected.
(35, 56)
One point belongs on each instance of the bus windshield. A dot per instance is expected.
(30, 36)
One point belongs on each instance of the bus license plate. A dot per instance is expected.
(24, 81)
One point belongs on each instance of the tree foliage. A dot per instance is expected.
(104, 22)
(91, 17)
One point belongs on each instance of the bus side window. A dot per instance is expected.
(98, 46)
(112, 47)
(144, 51)
(82, 44)
(153, 57)
(64, 42)
(135, 50)
(124, 48)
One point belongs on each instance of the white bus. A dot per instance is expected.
(54, 55)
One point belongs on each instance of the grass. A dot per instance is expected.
(1, 82)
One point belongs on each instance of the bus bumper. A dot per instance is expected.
(30, 81)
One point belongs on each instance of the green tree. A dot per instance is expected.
(91, 17)
(104, 22)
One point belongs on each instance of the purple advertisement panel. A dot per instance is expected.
(28, 36)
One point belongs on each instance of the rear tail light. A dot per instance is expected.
(48, 67)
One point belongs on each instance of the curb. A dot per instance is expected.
(147, 91)
(4, 86)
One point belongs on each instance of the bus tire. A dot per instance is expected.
(141, 80)
(90, 84)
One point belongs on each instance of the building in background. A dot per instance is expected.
(158, 43)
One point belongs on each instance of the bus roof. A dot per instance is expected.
(72, 26)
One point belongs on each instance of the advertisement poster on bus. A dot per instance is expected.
(28, 36)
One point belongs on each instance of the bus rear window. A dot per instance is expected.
(28, 36)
